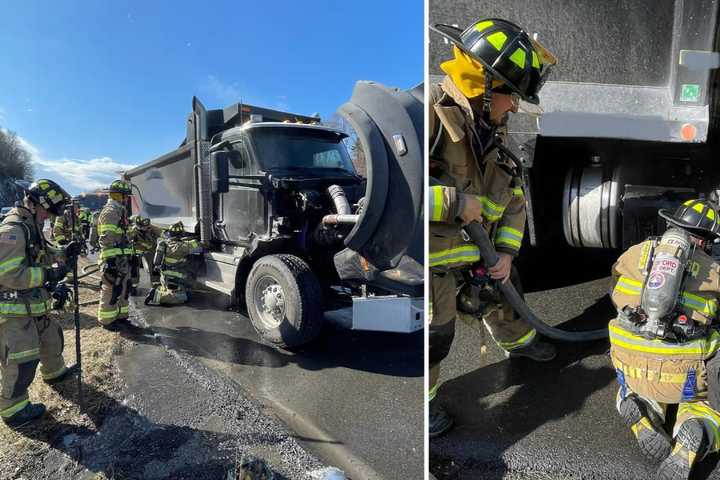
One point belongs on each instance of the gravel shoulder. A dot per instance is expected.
(149, 413)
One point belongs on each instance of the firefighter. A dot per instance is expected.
(28, 336)
(144, 237)
(173, 257)
(495, 65)
(63, 231)
(115, 257)
(85, 218)
(93, 238)
(665, 339)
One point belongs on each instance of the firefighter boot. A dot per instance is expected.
(692, 443)
(60, 378)
(150, 297)
(538, 350)
(29, 412)
(440, 421)
(647, 428)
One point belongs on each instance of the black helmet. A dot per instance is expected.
(175, 229)
(699, 217)
(120, 186)
(506, 52)
(139, 221)
(48, 194)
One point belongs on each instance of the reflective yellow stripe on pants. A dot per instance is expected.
(10, 411)
(107, 314)
(32, 353)
(521, 342)
(433, 391)
(55, 374)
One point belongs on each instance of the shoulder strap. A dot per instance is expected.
(436, 137)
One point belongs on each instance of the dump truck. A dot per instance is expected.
(292, 234)
(629, 115)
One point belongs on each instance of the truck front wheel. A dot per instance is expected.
(284, 300)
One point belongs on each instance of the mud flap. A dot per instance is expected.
(386, 245)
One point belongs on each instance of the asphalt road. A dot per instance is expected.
(521, 420)
(354, 399)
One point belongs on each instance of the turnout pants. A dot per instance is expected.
(169, 293)
(25, 342)
(508, 330)
(115, 289)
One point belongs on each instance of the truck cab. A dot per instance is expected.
(293, 235)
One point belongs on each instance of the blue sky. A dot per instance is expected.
(93, 87)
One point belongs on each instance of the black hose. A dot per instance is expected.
(86, 268)
(479, 236)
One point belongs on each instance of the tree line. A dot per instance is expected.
(15, 160)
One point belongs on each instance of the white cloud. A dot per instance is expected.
(84, 175)
(226, 93)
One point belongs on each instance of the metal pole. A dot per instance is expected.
(78, 356)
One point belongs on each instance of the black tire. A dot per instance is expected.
(302, 317)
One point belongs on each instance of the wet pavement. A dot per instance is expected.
(354, 399)
(521, 420)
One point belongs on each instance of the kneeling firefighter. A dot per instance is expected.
(143, 237)
(28, 336)
(115, 255)
(665, 339)
(495, 65)
(174, 258)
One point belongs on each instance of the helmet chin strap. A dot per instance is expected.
(487, 97)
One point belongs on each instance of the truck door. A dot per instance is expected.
(389, 123)
(244, 207)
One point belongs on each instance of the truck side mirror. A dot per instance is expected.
(220, 180)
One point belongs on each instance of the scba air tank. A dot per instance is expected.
(663, 282)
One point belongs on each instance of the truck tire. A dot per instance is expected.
(284, 300)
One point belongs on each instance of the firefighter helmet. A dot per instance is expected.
(139, 221)
(120, 186)
(176, 228)
(699, 217)
(507, 53)
(48, 194)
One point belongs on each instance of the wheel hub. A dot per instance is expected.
(271, 302)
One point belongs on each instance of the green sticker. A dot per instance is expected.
(690, 93)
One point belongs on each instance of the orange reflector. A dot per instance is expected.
(688, 132)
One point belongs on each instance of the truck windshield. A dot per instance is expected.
(296, 148)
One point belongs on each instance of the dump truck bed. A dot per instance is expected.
(619, 73)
